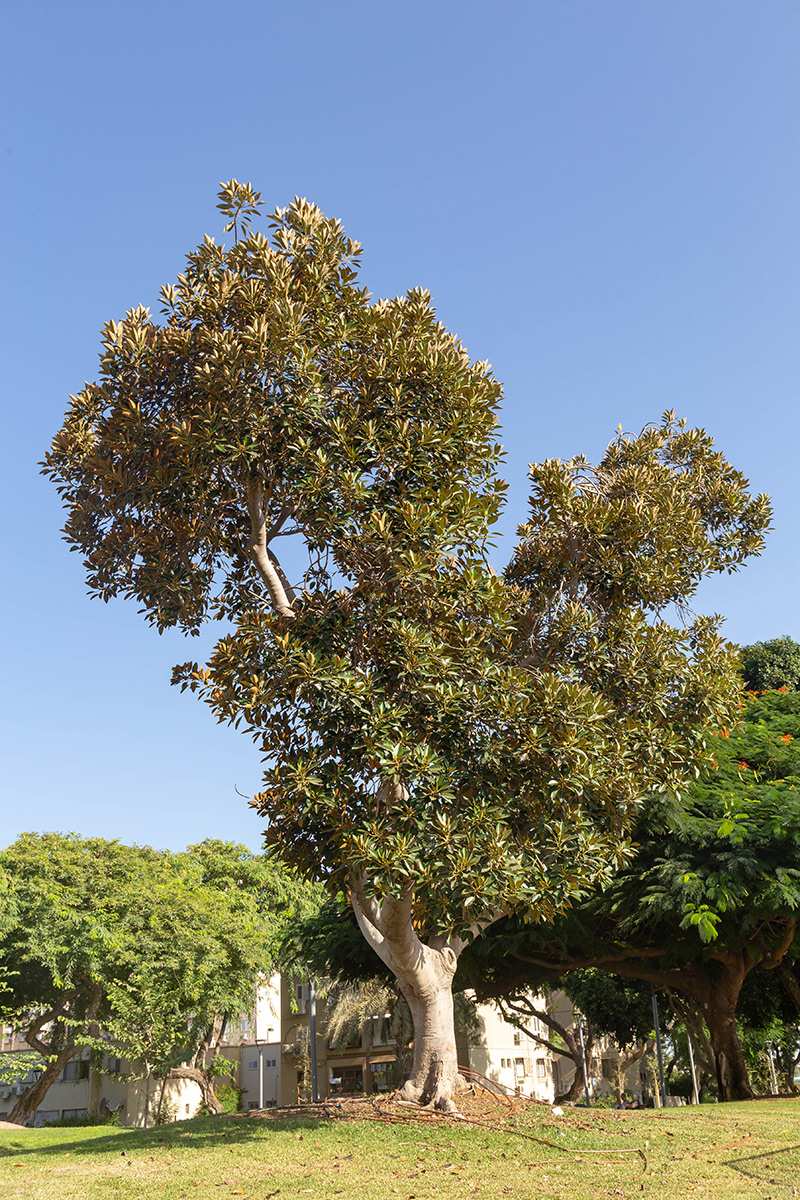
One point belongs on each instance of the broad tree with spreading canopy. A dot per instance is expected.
(709, 900)
(444, 743)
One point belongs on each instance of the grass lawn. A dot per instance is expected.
(721, 1151)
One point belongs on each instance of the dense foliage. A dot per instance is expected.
(771, 665)
(152, 948)
(712, 893)
(444, 744)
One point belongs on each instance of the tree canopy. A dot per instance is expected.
(711, 895)
(770, 665)
(151, 948)
(443, 743)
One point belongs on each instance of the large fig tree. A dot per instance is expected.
(445, 743)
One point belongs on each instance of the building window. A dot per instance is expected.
(519, 1068)
(346, 1080)
(608, 1068)
(244, 1024)
(381, 1034)
(540, 1068)
(77, 1069)
(301, 997)
(517, 1038)
(45, 1117)
(73, 1112)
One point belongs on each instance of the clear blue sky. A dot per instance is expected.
(601, 195)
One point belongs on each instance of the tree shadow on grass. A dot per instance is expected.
(200, 1133)
(780, 1167)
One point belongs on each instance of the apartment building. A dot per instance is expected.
(269, 1051)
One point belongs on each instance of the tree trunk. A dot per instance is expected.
(790, 983)
(434, 1077)
(424, 974)
(623, 1065)
(203, 1082)
(719, 1012)
(523, 1006)
(575, 1091)
(32, 1097)
(402, 1030)
(716, 987)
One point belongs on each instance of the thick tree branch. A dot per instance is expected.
(775, 956)
(280, 591)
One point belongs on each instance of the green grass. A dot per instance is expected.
(728, 1152)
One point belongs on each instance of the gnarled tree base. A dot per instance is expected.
(437, 1091)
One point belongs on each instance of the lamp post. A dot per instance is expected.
(260, 1043)
(312, 1031)
(583, 1064)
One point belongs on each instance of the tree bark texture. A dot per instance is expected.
(715, 988)
(624, 1064)
(719, 1012)
(33, 1096)
(424, 974)
(59, 1050)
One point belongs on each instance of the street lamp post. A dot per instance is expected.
(583, 1064)
(312, 1031)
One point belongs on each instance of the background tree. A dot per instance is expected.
(618, 1009)
(152, 948)
(525, 1009)
(769, 1013)
(444, 745)
(711, 896)
(770, 665)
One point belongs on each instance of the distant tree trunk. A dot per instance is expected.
(624, 1064)
(522, 1007)
(160, 1108)
(196, 1075)
(32, 1097)
(60, 1049)
(716, 988)
(402, 1030)
(198, 1071)
(790, 983)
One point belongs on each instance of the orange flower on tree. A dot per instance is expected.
(743, 766)
(787, 737)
